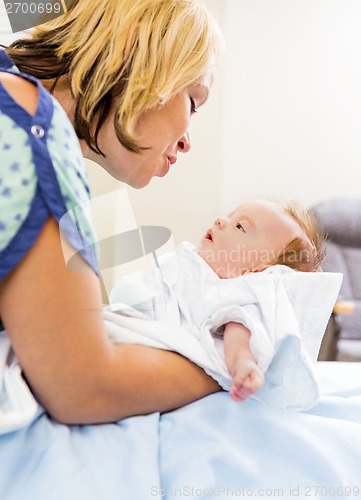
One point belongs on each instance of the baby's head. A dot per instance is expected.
(261, 234)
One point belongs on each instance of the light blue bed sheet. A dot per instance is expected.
(213, 448)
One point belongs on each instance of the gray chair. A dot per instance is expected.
(340, 220)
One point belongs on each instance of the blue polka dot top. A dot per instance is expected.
(42, 175)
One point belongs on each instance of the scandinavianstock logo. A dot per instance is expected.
(27, 14)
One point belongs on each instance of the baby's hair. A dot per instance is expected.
(303, 254)
(139, 52)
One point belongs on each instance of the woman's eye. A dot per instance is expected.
(193, 106)
(239, 226)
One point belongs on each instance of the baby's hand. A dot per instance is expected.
(247, 378)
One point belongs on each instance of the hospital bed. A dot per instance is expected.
(212, 448)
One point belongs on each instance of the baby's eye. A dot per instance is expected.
(239, 226)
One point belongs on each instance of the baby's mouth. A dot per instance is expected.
(209, 235)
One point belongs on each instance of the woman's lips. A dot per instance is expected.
(170, 160)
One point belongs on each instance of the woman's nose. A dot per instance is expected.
(184, 143)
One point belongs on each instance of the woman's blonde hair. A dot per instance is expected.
(141, 52)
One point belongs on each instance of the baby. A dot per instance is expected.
(254, 237)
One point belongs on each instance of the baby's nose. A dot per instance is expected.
(220, 222)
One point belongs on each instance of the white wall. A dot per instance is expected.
(292, 101)
(6, 35)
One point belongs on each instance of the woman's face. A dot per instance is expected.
(164, 130)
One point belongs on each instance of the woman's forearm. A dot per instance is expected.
(137, 380)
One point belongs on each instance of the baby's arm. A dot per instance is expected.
(246, 376)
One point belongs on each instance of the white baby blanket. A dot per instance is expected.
(17, 404)
(186, 304)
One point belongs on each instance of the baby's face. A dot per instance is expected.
(248, 240)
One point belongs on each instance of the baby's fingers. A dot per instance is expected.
(239, 394)
(254, 380)
(242, 388)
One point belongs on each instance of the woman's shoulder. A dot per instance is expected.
(21, 90)
(42, 172)
(18, 86)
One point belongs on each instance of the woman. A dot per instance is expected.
(128, 74)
